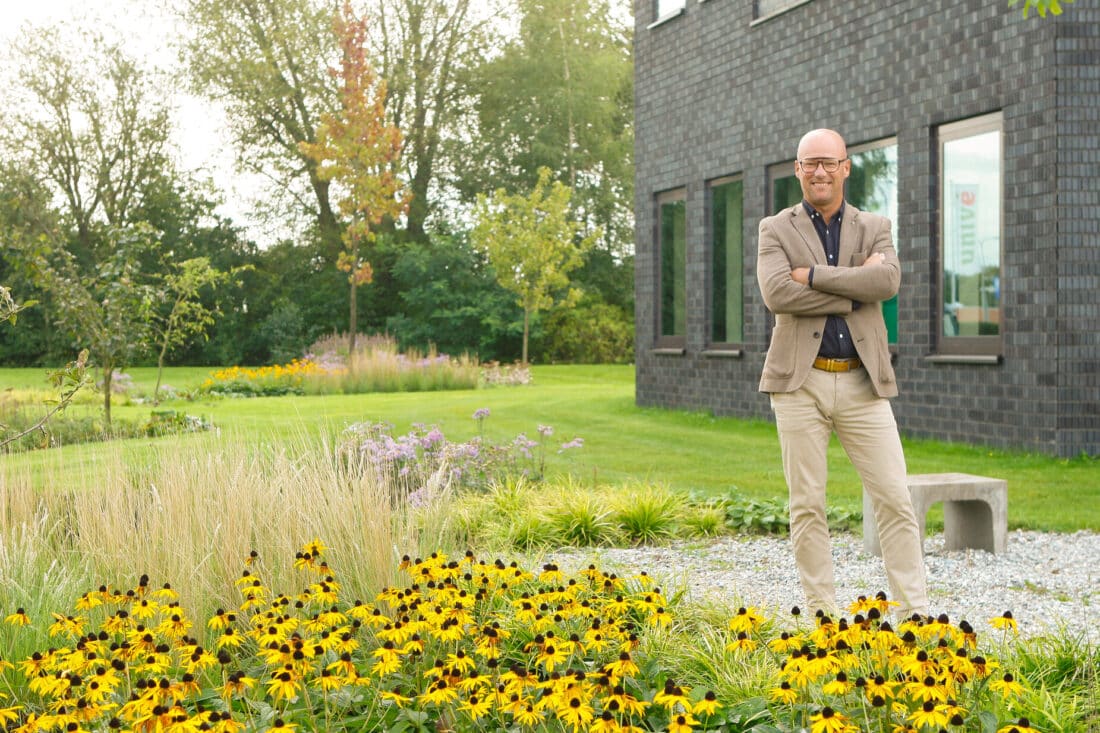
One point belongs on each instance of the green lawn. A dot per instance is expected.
(622, 442)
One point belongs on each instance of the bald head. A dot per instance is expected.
(823, 189)
(822, 143)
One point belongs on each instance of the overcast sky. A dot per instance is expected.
(148, 31)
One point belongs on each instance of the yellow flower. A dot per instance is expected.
(281, 725)
(395, 696)
(9, 715)
(476, 707)
(624, 666)
(839, 686)
(708, 705)
(930, 715)
(743, 643)
(575, 712)
(527, 716)
(830, 721)
(1004, 622)
(784, 694)
(747, 620)
(283, 686)
(1007, 686)
(672, 696)
(19, 618)
(1023, 725)
(681, 723)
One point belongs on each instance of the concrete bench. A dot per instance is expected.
(975, 510)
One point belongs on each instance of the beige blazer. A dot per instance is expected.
(789, 240)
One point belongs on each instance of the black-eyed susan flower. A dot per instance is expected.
(1004, 622)
(395, 696)
(1007, 686)
(575, 711)
(284, 685)
(671, 696)
(743, 643)
(624, 666)
(527, 716)
(681, 723)
(930, 715)
(708, 706)
(476, 707)
(9, 715)
(839, 685)
(747, 619)
(1023, 725)
(784, 693)
(19, 618)
(830, 721)
(281, 726)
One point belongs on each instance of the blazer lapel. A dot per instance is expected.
(806, 230)
(849, 236)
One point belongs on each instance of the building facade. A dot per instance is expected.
(975, 130)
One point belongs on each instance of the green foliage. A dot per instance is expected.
(533, 244)
(560, 96)
(582, 519)
(1043, 6)
(593, 332)
(447, 296)
(647, 515)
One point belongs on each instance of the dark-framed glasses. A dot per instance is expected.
(809, 165)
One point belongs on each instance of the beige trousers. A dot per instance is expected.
(845, 403)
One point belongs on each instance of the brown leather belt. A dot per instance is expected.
(836, 365)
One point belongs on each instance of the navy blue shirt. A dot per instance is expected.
(836, 341)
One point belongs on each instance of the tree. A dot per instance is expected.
(186, 317)
(357, 148)
(91, 126)
(533, 244)
(1054, 6)
(560, 95)
(106, 306)
(428, 52)
(267, 62)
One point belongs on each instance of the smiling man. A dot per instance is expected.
(824, 268)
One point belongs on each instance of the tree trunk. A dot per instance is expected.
(526, 323)
(108, 373)
(352, 322)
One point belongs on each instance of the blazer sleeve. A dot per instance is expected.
(780, 292)
(865, 284)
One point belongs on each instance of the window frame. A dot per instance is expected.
(988, 347)
(712, 276)
(675, 342)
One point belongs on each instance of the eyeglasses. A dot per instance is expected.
(829, 164)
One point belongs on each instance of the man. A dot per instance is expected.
(824, 267)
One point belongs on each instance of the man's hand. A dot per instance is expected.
(877, 258)
(801, 275)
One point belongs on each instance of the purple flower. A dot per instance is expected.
(574, 443)
(481, 413)
(546, 431)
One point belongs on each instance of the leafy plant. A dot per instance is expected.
(648, 514)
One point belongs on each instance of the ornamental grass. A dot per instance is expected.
(376, 366)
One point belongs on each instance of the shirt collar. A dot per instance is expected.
(815, 214)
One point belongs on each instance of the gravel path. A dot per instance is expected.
(1048, 581)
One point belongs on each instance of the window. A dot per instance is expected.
(873, 186)
(970, 236)
(672, 245)
(766, 8)
(786, 190)
(727, 261)
(666, 8)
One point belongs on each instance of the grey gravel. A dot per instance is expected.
(1050, 582)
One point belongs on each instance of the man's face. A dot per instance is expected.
(822, 189)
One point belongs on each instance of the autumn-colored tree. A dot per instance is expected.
(533, 243)
(356, 148)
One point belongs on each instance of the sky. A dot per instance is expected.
(147, 29)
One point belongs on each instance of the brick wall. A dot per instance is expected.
(717, 95)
